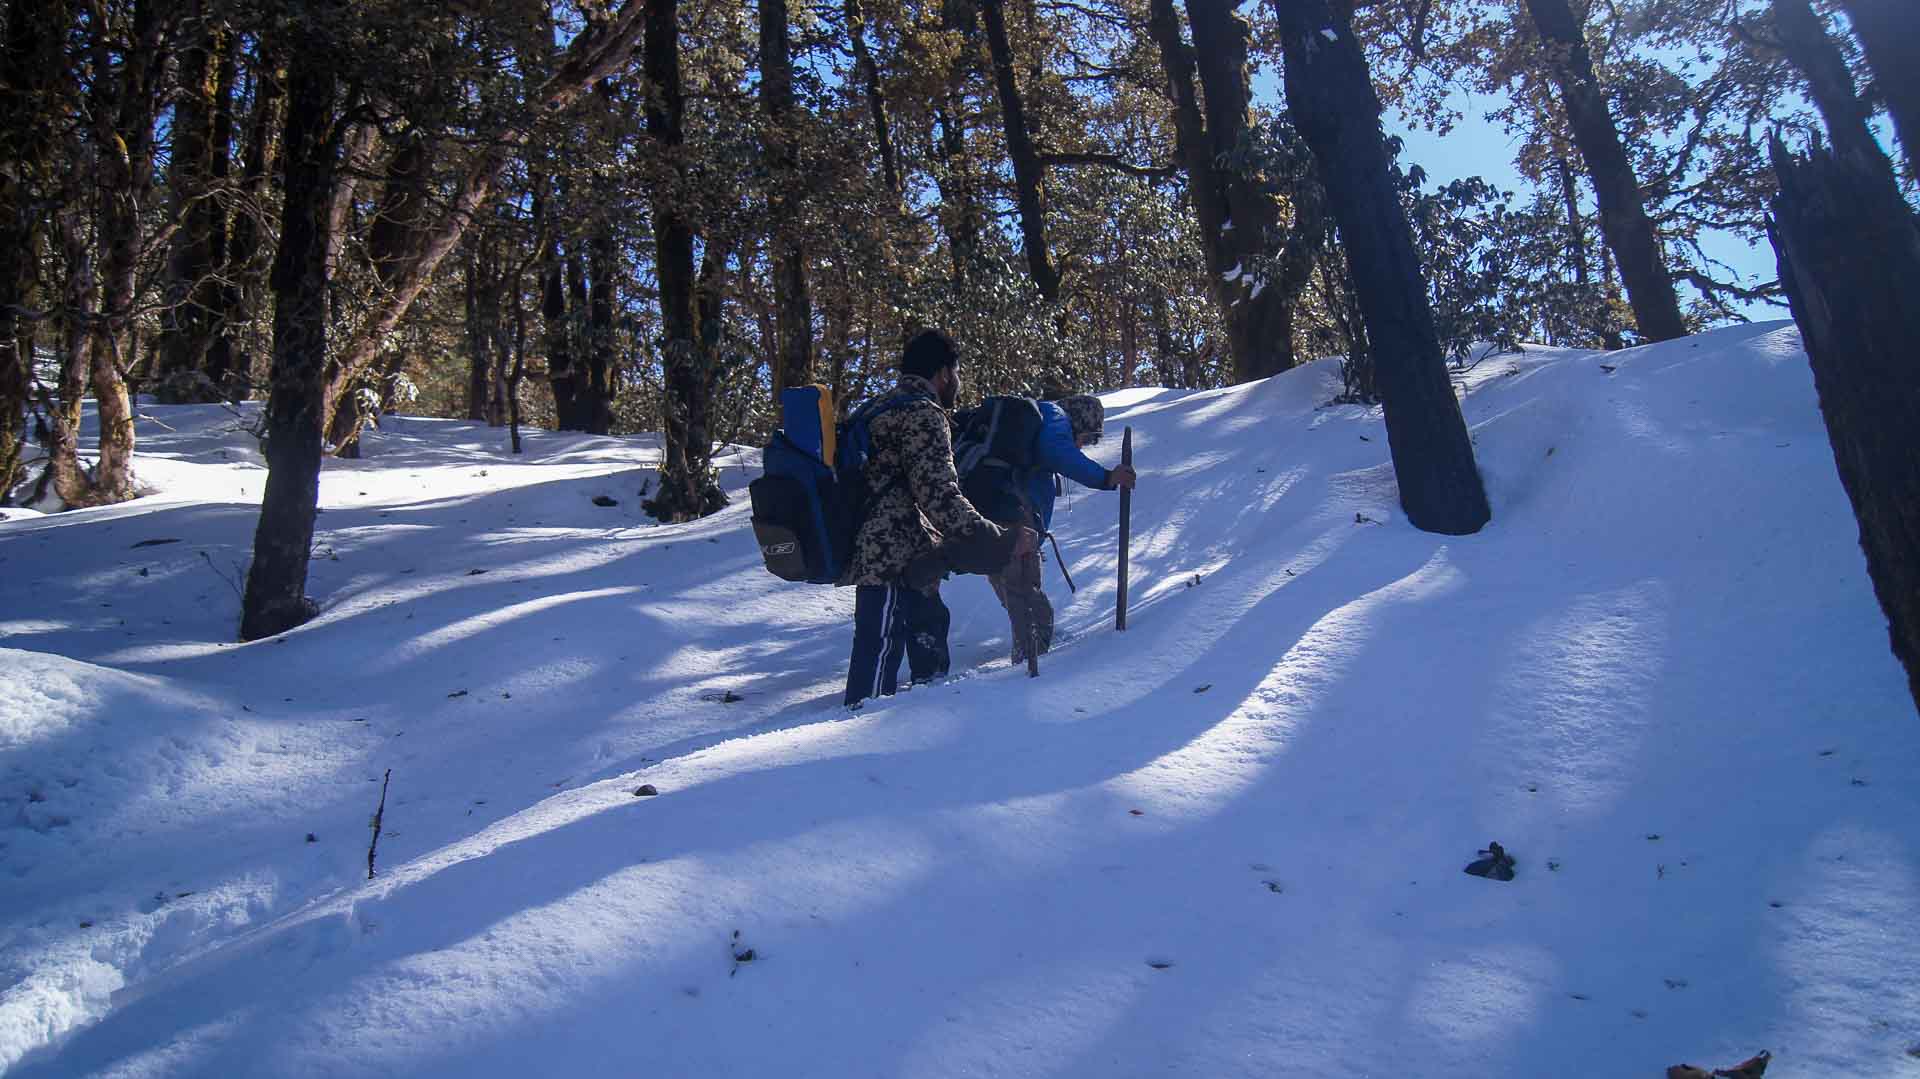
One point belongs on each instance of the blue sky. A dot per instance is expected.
(1476, 147)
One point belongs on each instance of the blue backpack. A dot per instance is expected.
(806, 514)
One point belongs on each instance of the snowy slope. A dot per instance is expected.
(1226, 842)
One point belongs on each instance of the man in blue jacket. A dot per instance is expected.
(1067, 426)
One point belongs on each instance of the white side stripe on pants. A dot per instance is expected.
(886, 640)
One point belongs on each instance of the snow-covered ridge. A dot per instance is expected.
(1226, 842)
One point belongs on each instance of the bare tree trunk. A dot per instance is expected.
(1849, 253)
(479, 331)
(196, 177)
(1829, 82)
(1623, 213)
(276, 599)
(793, 358)
(69, 480)
(601, 363)
(1238, 220)
(688, 487)
(869, 75)
(31, 70)
(563, 373)
(240, 291)
(1331, 98)
(1028, 174)
(1889, 33)
(960, 212)
(519, 371)
(124, 110)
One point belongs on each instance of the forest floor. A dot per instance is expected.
(1226, 842)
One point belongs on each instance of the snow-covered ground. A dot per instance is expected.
(1226, 842)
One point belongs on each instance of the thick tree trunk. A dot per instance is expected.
(1028, 174)
(1238, 221)
(1623, 212)
(276, 598)
(1889, 33)
(793, 358)
(1829, 82)
(1849, 253)
(688, 488)
(1331, 98)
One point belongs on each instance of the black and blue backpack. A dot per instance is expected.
(993, 455)
(807, 513)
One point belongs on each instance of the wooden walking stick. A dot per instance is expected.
(1126, 528)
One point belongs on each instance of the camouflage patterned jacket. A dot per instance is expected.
(920, 504)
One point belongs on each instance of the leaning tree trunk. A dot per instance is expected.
(1889, 33)
(603, 49)
(793, 306)
(1331, 98)
(1849, 252)
(688, 487)
(276, 598)
(1027, 170)
(1623, 212)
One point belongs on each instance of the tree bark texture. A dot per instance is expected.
(1028, 173)
(793, 359)
(1330, 95)
(602, 361)
(1238, 221)
(125, 106)
(1889, 33)
(275, 599)
(1623, 212)
(1829, 82)
(1849, 254)
(688, 488)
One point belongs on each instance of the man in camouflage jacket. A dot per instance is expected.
(918, 526)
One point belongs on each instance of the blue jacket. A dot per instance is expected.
(1055, 454)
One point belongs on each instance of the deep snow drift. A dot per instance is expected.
(1226, 842)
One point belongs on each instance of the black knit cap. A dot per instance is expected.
(927, 353)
